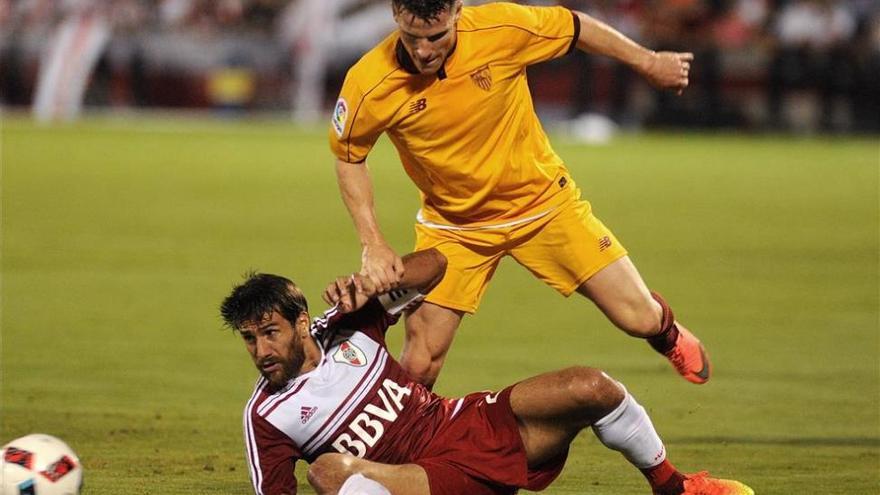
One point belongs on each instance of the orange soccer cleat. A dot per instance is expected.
(701, 484)
(689, 357)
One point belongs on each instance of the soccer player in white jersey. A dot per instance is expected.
(329, 393)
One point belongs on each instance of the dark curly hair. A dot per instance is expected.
(426, 10)
(258, 296)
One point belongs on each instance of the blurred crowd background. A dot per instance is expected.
(786, 65)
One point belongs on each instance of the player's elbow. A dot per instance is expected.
(438, 261)
(421, 366)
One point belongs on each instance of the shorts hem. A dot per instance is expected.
(568, 291)
(469, 309)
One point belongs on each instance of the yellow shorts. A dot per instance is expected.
(563, 248)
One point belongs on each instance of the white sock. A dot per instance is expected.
(357, 484)
(628, 430)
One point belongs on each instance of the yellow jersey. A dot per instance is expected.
(467, 136)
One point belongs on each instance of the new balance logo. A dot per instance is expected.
(306, 413)
(418, 105)
(604, 243)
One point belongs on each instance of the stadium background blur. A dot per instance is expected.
(801, 65)
(752, 203)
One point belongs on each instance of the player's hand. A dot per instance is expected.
(350, 292)
(669, 70)
(382, 266)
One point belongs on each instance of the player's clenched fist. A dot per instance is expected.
(382, 266)
(668, 70)
(349, 292)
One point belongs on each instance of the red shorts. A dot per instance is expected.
(479, 451)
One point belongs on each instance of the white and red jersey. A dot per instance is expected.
(357, 401)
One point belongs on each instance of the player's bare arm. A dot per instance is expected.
(422, 271)
(379, 262)
(664, 70)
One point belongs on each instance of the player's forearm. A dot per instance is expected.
(357, 194)
(600, 38)
(423, 270)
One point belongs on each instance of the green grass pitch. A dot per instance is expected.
(119, 240)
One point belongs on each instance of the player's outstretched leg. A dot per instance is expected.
(680, 346)
(554, 407)
(619, 291)
(628, 430)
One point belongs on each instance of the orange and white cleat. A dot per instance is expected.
(689, 357)
(701, 484)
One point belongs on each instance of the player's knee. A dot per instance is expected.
(420, 359)
(421, 366)
(329, 472)
(429, 333)
(595, 393)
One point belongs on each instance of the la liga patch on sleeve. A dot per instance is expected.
(340, 115)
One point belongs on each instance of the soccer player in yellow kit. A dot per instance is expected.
(449, 88)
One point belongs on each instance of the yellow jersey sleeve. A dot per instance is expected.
(368, 101)
(527, 34)
(353, 130)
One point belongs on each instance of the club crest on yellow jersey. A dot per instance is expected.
(482, 77)
(418, 105)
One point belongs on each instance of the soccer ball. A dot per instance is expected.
(39, 464)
